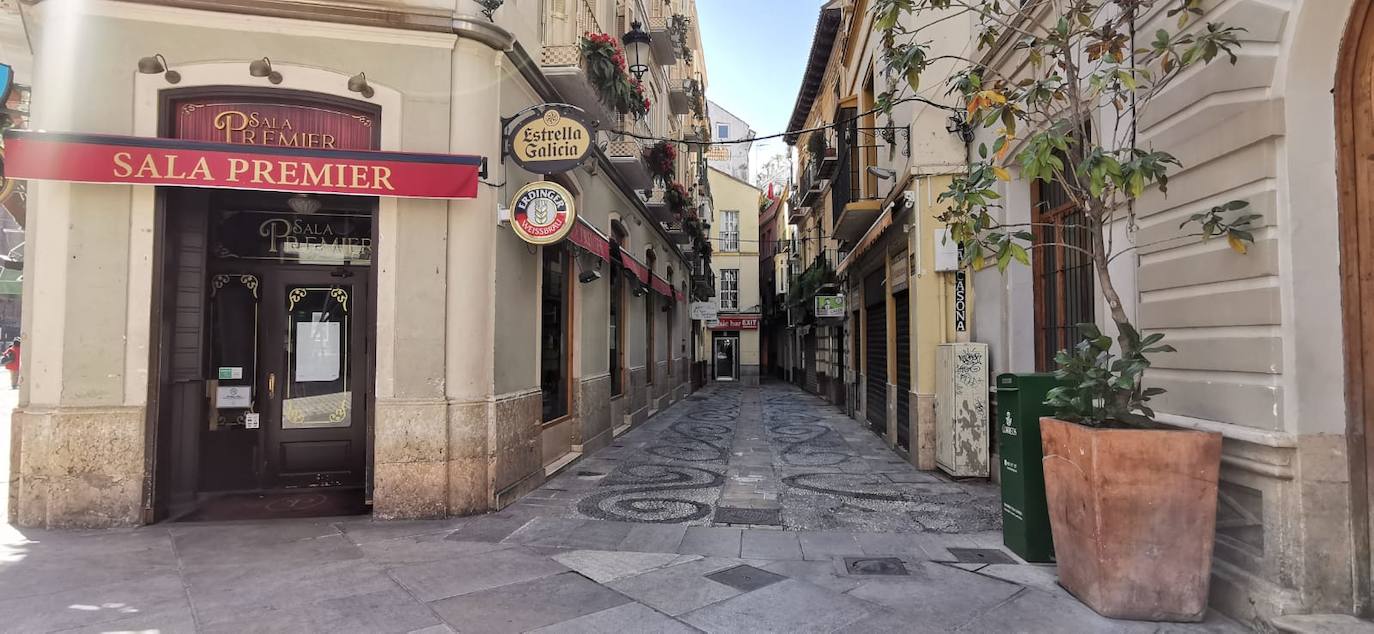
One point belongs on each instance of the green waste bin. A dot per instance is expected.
(1025, 518)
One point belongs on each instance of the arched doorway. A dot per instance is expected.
(1354, 98)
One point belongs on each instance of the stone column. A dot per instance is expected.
(471, 290)
(78, 437)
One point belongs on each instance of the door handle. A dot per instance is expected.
(271, 385)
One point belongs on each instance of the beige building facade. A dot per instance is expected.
(734, 237)
(435, 364)
(1270, 344)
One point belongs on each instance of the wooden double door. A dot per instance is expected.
(289, 400)
(265, 358)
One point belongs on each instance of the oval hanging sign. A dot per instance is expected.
(550, 141)
(542, 212)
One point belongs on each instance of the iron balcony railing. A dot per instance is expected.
(861, 148)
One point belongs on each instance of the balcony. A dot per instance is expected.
(664, 27)
(627, 152)
(657, 203)
(813, 182)
(704, 285)
(823, 148)
(856, 193)
(684, 91)
(796, 213)
(565, 21)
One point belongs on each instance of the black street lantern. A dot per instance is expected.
(636, 50)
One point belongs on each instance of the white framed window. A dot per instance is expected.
(729, 289)
(729, 230)
(723, 131)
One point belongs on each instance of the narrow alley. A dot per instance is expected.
(737, 510)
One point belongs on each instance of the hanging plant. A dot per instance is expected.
(489, 8)
(661, 158)
(680, 200)
(605, 65)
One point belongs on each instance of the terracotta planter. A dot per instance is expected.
(1133, 513)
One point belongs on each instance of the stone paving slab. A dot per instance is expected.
(547, 567)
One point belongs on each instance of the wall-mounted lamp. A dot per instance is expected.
(589, 276)
(157, 64)
(957, 126)
(881, 172)
(640, 291)
(263, 68)
(358, 83)
(637, 50)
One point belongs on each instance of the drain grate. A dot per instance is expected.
(873, 566)
(980, 556)
(756, 517)
(745, 578)
(589, 474)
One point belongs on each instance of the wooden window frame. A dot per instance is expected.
(569, 335)
(1049, 230)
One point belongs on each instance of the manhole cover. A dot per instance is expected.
(757, 517)
(980, 556)
(745, 578)
(874, 566)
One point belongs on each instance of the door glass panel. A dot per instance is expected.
(233, 343)
(316, 391)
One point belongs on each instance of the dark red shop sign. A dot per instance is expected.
(97, 158)
(735, 322)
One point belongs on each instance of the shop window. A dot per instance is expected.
(1064, 292)
(729, 289)
(554, 335)
(671, 338)
(652, 360)
(729, 230)
(616, 312)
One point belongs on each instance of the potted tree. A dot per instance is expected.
(1132, 503)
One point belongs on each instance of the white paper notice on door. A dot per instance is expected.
(317, 351)
(233, 396)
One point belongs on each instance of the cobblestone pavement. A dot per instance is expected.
(545, 565)
(764, 456)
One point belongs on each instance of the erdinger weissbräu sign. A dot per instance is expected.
(551, 140)
(542, 212)
(98, 158)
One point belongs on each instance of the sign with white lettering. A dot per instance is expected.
(318, 238)
(552, 140)
(98, 158)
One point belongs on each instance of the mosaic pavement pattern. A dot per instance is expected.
(766, 456)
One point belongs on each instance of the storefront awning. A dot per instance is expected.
(588, 237)
(99, 158)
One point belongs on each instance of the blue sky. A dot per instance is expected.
(756, 51)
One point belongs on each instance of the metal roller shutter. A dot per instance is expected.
(875, 350)
(903, 320)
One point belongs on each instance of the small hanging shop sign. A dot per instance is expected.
(109, 159)
(552, 139)
(542, 212)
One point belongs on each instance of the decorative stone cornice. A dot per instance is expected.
(484, 31)
(351, 12)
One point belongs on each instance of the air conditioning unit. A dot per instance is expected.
(961, 409)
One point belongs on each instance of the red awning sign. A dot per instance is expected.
(97, 158)
(735, 322)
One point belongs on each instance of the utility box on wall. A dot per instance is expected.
(961, 409)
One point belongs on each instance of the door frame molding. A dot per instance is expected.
(1356, 261)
